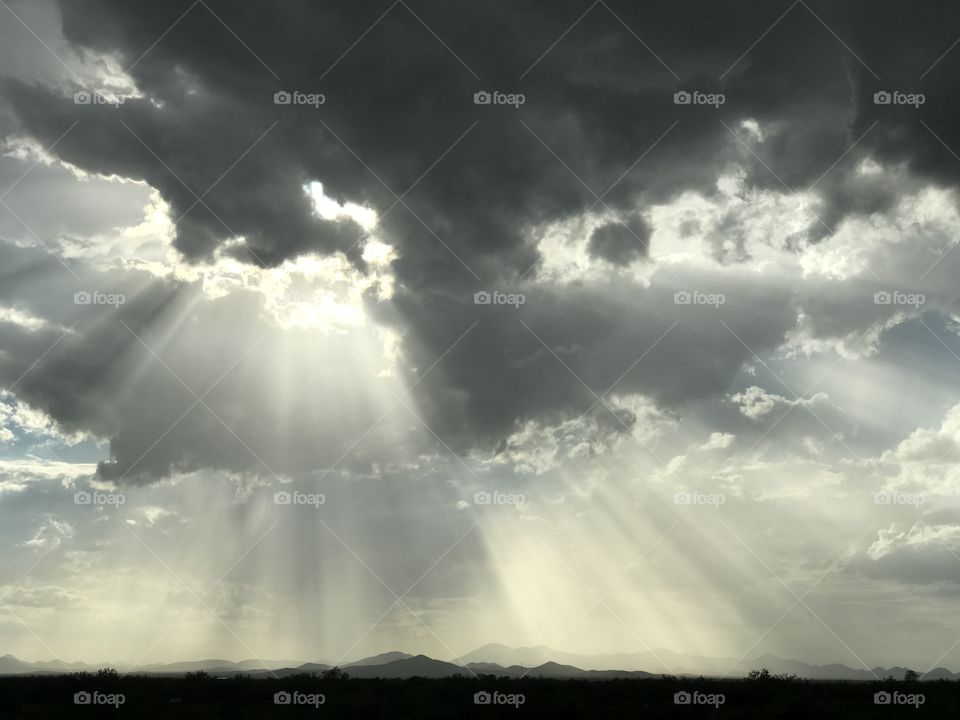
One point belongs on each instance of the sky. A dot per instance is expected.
(328, 329)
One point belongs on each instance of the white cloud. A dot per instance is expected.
(719, 441)
(50, 534)
(755, 402)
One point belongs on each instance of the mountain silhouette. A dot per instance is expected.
(381, 659)
(496, 659)
(416, 666)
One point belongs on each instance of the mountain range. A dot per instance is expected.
(500, 660)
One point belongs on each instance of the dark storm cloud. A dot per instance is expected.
(620, 243)
(598, 130)
(183, 154)
(565, 348)
(598, 100)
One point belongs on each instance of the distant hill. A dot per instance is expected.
(556, 671)
(9, 665)
(665, 662)
(312, 667)
(505, 655)
(215, 666)
(381, 659)
(500, 660)
(416, 666)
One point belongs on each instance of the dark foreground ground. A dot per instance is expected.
(239, 698)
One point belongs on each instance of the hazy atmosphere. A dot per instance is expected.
(331, 328)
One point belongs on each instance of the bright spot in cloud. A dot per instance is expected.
(330, 209)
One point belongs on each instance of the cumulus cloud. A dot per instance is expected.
(936, 445)
(493, 175)
(51, 534)
(481, 178)
(593, 299)
(924, 552)
(718, 441)
(755, 402)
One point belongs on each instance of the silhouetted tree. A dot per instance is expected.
(301, 677)
(786, 677)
